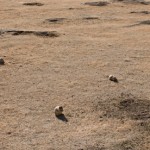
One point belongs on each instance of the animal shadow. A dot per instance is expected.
(62, 118)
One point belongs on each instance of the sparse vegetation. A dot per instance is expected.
(60, 54)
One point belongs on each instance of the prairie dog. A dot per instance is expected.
(58, 110)
(113, 78)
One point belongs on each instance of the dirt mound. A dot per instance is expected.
(133, 1)
(33, 4)
(126, 107)
(146, 22)
(136, 108)
(101, 3)
(55, 20)
(37, 33)
(104, 3)
(91, 18)
(140, 12)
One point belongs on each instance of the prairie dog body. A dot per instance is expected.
(113, 78)
(58, 110)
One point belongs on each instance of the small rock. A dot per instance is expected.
(2, 61)
(58, 110)
(113, 78)
(9, 132)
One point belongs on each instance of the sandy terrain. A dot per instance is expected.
(61, 53)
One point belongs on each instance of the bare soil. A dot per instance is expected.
(60, 53)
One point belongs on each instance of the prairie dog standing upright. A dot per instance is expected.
(58, 110)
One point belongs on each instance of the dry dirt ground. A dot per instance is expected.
(60, 52)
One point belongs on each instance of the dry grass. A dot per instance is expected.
(61, 53)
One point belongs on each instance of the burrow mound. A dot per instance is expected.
(140, 12)
(105, 3)
(133, 2)
(62, 20)
(90, 18)
(145, 22)
(125, 107)
(100, 3)
(36, 33)
(135, 108)
(33, 4)
(54, 20)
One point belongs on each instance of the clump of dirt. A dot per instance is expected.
(126, 145)
(140, 12)
(46, 34)
(100, 3)
(93, 147)
(104, 3)
(55, 20)
(71, 8)
(90, 18)
(37, 33)
(145, 125)
(146, 22)
(33, 4)
(133, 1)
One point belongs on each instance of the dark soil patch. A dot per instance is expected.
(145, 125)
(140, 12)
(125, 107)
(46, 34)
(126, 145)
(33, 4)
(71, 8)
(94, 148)
(101, 3)
(146, 22)
(136, 108)
(37, 33)
(133, 1)
(55, 20)
(91, 18)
